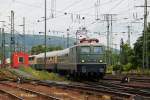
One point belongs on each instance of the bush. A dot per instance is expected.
(42, 75)
(127, 67)
(117, 67)
(109, 69)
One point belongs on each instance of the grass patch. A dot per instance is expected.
(7, 74)
(127, 70)
(42, 75)
(140, 71)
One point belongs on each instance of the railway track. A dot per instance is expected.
(140, 79)
(8, 95)
(122, 88)
(89, 89)
(131, 84)
(135, 78)
(115, 91)
(21, 93)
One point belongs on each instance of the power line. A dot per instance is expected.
(116, 5)
(31, 5)
(92, 7)
(58, 11)
(86, 14)
(72, 4)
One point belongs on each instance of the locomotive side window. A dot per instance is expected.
(85, 49)
(98, 49)
(21, 59)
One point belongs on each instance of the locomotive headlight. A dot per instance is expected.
(82, 61)
(100, 61)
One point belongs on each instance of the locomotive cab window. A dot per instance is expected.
(97, 49)
(85, 49)
(21, 59)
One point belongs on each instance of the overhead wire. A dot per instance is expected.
(63, 12)
(115, 6)
(72, 4)
(108, 2)
(66, 7)
(35, 6)
(59, 11)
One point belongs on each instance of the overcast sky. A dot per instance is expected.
(33, 10)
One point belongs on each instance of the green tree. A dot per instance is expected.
(126, 53)
(40, 49)
(127, 57)
(54, 48)
(115, 58)
(37, 49)
(0, 56)
(138, 49)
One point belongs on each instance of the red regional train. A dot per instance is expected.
(19, 59)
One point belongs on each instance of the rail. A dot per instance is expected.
(11, 95)
(47, 97)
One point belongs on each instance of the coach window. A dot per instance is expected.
(21, 59)
(31, 58)
(85, 49)
(66, 55)
(52, 58)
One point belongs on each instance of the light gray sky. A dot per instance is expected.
(33, 10)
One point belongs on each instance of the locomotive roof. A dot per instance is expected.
(88, 44)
